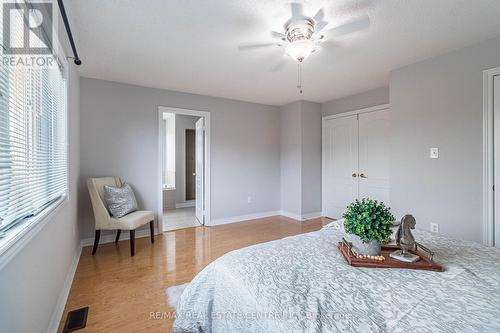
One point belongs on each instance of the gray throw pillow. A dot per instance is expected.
(120, 200)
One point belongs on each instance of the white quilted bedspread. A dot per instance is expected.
(302, 284)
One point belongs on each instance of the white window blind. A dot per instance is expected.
(33, 149)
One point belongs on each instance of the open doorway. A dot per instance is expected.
(184, 168)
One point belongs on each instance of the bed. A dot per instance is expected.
(302, 284)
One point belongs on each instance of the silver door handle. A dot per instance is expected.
(354, 175)
(362, 175)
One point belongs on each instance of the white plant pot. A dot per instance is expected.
(372, 248)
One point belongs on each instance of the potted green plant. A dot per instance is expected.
(370, 223)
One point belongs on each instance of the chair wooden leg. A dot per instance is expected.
(118, 235)
(152, 231)
(132, 242)
(96, 241)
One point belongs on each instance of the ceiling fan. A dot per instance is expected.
(304, 35)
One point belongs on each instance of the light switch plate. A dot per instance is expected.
(435, 227)
(434, 153)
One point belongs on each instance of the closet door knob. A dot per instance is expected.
(354, 175)
(362, 175)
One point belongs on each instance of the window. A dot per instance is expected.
(33, 143)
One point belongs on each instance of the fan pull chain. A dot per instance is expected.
(299, 76)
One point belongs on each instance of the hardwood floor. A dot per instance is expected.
(122, 291)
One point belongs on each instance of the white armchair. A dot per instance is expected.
(104, 221)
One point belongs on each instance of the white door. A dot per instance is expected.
(496, 145)
(200, 170)
(340, 156)
(374, 155)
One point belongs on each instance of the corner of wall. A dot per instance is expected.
(300, 162)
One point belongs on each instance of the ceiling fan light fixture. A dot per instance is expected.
(302, 35)
(300, 49)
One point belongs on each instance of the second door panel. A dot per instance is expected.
(374, 155)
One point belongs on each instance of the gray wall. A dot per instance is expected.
(362, 100)
(119, 136)
(438, 103)
(300, 158)
(291, 158)
(182, 122)
(31, 284)
(311, 158)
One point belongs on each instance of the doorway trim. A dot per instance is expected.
(488, 157)
(161, 146)
(323, 143)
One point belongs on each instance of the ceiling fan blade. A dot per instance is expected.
(252, 46)
(358, 24)
(328, 44)
(277, 35)
(319, 16)
(278, 66)
(296, 10)
(320, 25)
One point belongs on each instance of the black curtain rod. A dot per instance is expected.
(68, 31)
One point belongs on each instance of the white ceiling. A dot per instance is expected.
(191, 46)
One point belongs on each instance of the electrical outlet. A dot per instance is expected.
(434, 153)
(249, 200)
(435, 227)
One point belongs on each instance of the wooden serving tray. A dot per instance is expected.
(424, 263)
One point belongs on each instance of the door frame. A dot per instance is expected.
(323, 141)
(488, 157)
(161, 147)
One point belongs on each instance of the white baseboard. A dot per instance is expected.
(63, 297)
(242, 218)
(303, 217)
(290, 215)
(186, 204)
(311, 216)
(111, 237)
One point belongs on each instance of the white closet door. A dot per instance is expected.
(340, 153)
(496, 145)
(374, 155)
